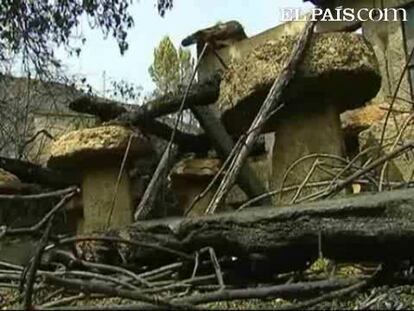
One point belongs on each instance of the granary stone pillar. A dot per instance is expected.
(238, 50)
(98, 155)
(339, 72)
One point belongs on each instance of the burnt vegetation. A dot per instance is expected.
(201, 227)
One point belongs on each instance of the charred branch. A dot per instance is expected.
(108, 110)
(376, 227)
(32, 173)
(200, 95)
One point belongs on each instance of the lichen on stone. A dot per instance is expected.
(197, 167)
(7, 177)
(9, 183)
(354, 121)
(333, 64)
(96, 142)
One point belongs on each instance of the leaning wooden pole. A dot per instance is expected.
(223, 144)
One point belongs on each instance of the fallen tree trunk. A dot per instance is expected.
(186, 142)
(109, 110)
(105, 110)
(200, 94)
(32, 173)
(371, 227)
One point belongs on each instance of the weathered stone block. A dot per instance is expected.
(98, 154)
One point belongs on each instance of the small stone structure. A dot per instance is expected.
(190, 177)
(337, 67)
(22, 214)
(98, 154)
(12, 250)
(339, 72)
(9, 183)
(390, 48)
(358, 120)
(399, 130)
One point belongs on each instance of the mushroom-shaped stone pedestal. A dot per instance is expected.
(398, 132)
(339, 72)
(97, 153)
(357, 120)
(16, 250)
(9, 183)
(190, 177)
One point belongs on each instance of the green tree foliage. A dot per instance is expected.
(171, 68)
(164, 5)
(125, 91)
(33, 29)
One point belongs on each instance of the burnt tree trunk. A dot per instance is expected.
(32, 173)
(371, 227)
(109, 110)
(200, 94)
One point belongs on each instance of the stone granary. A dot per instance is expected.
(12, 250)
(19, 249)
(393, 44)
(358, 120)
(9, 183)
(99, 155)
(338, 72)
(190, 177)
(385, 47)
